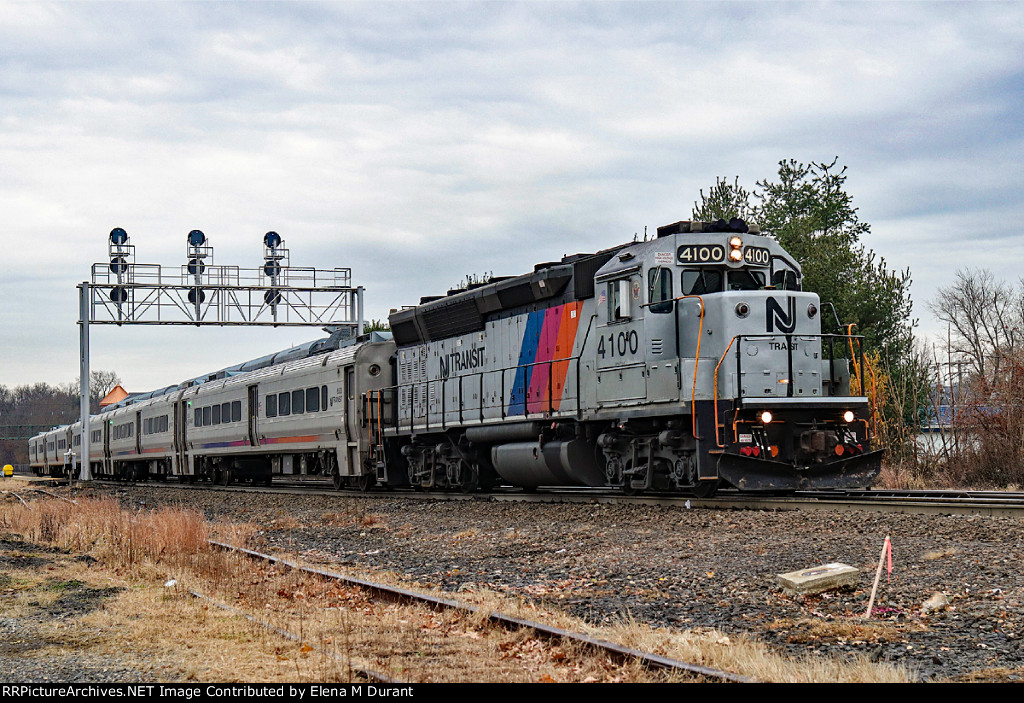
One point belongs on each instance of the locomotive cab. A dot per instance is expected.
(777, 412)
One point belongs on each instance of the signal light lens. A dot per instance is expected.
(272, 240)
(766, 417)
(848, 416)
(196, 238)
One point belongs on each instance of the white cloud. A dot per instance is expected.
(420, 142)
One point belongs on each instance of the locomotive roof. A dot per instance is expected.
(464, 311)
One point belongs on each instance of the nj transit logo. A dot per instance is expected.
(775, 316)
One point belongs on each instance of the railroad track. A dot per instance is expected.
(617, 651)
(937, 502)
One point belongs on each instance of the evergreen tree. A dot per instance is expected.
(809, 212)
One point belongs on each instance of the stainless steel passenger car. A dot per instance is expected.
(301, 417)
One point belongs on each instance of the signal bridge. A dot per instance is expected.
(199, 292)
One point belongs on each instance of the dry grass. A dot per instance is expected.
(143, 549)
(901, 476)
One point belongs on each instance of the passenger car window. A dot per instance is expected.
(284, 404)
(272, 405)
(312, 400)
(236, 411)
(298, 402)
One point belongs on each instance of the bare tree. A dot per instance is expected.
(985, 317)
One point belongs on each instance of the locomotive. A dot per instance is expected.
(683, 363)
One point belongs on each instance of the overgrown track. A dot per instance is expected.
(616, 650)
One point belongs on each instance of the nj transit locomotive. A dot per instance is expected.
(683, 363)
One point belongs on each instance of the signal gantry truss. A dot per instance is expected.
(201, 293)
(122, 292)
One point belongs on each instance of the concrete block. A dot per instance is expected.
(818, 579)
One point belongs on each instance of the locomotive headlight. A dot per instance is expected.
(736, 245)
(766, 417)
(848, 416)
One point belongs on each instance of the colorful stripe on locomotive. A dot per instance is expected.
(548, 342)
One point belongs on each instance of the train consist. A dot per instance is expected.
(684, 363)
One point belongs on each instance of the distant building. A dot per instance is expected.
(114, 396)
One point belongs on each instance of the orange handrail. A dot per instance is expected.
(715, 387)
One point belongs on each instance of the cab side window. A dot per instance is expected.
(618, 300)
(659, 290)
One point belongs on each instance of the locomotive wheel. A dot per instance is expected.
(338, 481)
(365, 482)
(469, 479)
(705, 489)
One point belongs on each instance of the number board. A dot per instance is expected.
(757, 256)
(701, 254)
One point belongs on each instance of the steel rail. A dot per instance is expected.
(549, 631)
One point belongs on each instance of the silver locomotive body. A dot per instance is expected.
(679, 363)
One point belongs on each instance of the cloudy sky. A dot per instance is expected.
(417, 143)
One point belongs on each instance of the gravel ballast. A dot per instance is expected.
(680, 568)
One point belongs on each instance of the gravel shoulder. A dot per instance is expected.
(664, 566)
(681, 568)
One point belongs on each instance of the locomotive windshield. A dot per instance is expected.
(701, 281)
(706, 280)
(746, 280)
